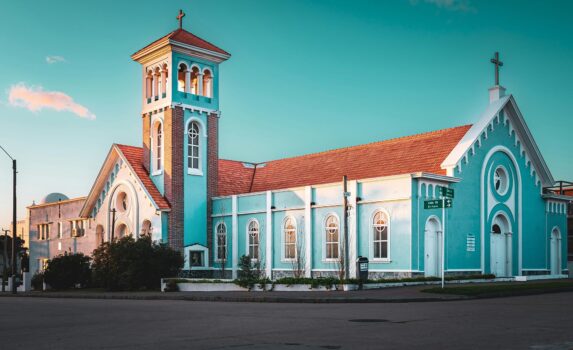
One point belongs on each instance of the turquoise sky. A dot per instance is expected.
(305, 76)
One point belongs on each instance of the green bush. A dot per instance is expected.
(37, 281)
(127, 264)
(251, 273)
(68, 271)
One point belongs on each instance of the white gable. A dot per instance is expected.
(522, 134)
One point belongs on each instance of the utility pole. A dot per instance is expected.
(112, 224)
(345, 263)
(14, 287)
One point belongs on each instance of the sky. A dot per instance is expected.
(304, 76)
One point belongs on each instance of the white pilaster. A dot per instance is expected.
(352, 229)
(308, 231)
(187, 81)
(269, 236)
(235, 235)
(200, 84)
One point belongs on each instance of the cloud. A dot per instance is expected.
(451, 5)
(34, 98)
(55, 59)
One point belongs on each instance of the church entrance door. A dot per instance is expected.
(432, 248)
(500, 247)
(555, 252)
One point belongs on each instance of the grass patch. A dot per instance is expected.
(494, 290)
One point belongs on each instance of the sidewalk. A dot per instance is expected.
(386, 295)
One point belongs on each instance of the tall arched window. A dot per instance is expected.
(164, 80)
(149, 84)
(195, 81)
(193, 143)
(221, 242)
(253, 233)
(380, 235)
(207, 83)
(332, 231)
(158, 143)
(289, 234)
(181, 78)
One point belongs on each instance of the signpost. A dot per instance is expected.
(445, 202)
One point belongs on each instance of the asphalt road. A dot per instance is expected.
(539, 322)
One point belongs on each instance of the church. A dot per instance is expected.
(469, 199)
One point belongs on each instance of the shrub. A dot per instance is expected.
(67, 271)
(127, 264)
(37, 281)
(251, 273)
(171, 286)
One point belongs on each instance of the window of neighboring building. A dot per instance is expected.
(193, 144)
(60, 230)
(43, 232)
(77, 228)
(570, 238)
(42, 264)
(289, 234)
(332, 231)
(253, 233)
(221, 242)
(380, 236)
(157, 139)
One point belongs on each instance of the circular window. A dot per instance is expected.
(122, 202)
(500, 180)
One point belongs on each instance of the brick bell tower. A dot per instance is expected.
(180, 114)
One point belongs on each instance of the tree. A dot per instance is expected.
(127, 264)
(68, 271)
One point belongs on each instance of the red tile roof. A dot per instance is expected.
(185, 37)
(417, 153)
(134, 156)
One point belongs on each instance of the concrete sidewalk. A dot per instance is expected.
(386, 295)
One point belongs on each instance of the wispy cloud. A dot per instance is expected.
(55, 59)
(35, 98)
(451, 5)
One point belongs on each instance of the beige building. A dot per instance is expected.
(56, 228)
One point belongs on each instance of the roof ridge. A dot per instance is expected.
(427, 133)
(201, 39)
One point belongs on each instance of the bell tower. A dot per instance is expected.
(180, 115)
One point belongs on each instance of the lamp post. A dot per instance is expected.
(4, 262)
(14, 172)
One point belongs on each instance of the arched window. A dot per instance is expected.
(122, 231)
(149, 85)
(122, 202)
(195, 81)
(207, 83)
(164, 80)
(193, 159)
(496, 229)
(380, 235)
(332, 231)
(221, 242)
(158, 145)
(181, 78)
(146, 228)
(253, 233)
(289, 234)
(156, 83)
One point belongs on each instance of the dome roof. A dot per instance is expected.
(54, 197)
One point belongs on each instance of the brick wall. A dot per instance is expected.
(173, 173)
(212, 175)
(146, 118)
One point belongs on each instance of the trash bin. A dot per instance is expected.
(362, 268)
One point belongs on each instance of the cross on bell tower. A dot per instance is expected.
(495, 60)
(180, 18)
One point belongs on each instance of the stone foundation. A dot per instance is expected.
(535, 273)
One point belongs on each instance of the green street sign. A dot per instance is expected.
(447, 192)
(433, 204)
(438, 203)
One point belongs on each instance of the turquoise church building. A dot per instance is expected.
(312, 214)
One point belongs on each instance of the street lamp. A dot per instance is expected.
(14, 287)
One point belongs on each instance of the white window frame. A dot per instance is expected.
(201, 133)
(371, 238)
(155, 157)
(217, 234)
(325, 235)
(284, 257)
(248, 236)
